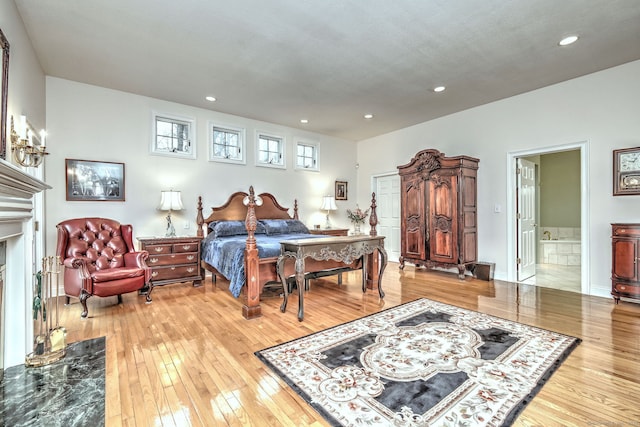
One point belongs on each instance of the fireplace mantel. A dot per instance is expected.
(14, 183)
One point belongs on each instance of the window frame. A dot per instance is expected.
(212, 126)
(175, 119)
(316, 149)
(283, 150)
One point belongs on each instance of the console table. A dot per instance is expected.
(345, 249)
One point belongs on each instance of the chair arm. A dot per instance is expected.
(77, 263)
(76, 276)
(139, 259)
(136, 259)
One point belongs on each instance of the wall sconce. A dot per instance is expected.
(328, 204)
(170, 201)
(25, 153)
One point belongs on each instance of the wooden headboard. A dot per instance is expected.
(234, 209)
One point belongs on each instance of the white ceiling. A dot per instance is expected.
(330, 61)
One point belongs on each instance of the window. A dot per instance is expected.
(226, 144)
(307, 156)
(173, 136)
(270, 151)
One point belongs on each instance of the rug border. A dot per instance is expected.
(510, 417)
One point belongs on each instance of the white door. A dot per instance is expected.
(387, 190)
(526, 218)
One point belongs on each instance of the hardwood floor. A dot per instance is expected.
(187, 358)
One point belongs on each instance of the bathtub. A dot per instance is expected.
(560, 252)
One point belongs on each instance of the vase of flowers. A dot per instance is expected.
(357, 217)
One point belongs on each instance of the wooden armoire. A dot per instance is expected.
(438, 211)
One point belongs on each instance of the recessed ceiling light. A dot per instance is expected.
(368, 116)
(304, 121)
(439, 88)
(210, 98)
(568, 40)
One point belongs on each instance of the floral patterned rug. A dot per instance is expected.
(421, 363)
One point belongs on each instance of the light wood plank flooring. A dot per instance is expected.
(187, 359)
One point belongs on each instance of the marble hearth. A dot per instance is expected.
(66, 393)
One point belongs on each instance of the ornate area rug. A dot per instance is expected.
(421, 363)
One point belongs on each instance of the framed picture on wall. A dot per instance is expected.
(88, 180)
(626, 171)
(341, 190)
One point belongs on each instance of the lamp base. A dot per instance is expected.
(171, 231)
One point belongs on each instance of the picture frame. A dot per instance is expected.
(89, 180)
(626, 171)
(341, 190)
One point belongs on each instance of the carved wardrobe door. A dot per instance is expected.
(414, 220)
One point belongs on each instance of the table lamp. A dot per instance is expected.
(328, 204)
(170, 201)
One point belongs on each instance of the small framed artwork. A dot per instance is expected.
(341, 190)
(626, 171)
(88, 180)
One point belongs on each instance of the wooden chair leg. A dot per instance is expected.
(83, 300)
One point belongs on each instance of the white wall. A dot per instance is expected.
(601, 108)
(25, 97)
(93, 123)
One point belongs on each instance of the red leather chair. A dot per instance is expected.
(99, 259)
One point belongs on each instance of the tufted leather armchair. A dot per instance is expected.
(99, 259)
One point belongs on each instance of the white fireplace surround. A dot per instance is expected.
(17, 191)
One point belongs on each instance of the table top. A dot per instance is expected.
(331, 240)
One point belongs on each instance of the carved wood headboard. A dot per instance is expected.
(234, 209)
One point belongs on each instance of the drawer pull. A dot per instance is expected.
(173, 268)
(154, 273)
(191, 269)
(623, 288)
(186, 247)
(191, 257)
(153, 260)
(157, 249)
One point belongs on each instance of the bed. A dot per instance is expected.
(241, 243)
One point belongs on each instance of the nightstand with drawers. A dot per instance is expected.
(173, 259)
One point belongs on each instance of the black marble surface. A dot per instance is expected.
(69, 392)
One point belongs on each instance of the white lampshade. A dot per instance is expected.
(329, 203)
(171, 201)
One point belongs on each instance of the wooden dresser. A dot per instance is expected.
(438, 211)
(173, 259)
(625, 261)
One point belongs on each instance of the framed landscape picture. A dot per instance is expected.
(626, 171)
(89, 180)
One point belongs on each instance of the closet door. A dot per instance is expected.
(413, 219)
(443, 226)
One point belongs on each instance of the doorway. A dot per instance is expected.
(387, 189)
(560, 220)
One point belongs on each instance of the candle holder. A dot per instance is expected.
(25, 153)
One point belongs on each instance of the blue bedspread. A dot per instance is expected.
(226, 254)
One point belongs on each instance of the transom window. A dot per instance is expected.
(227, 144)
(307, 156)
(270, 151)
(173, 136)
